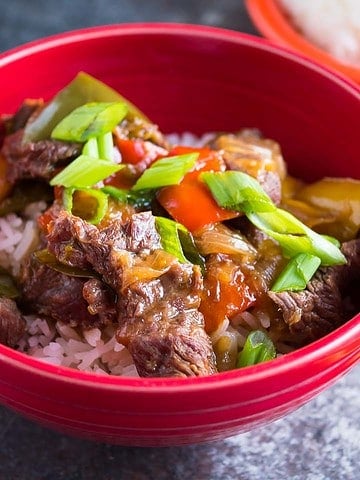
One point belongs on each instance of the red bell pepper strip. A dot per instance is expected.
(132, 151)
(190, 202)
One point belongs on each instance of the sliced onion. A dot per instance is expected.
(217, 238)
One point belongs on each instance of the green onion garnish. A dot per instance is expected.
(91, 148)
(166, 171)
(141, 199)
(169, 236)
(297, 273)
(293, 236)
(85, 172)
(90, 120)
(105, 146)
(238, 191)
(258, 348)
(89, 204)
(177, 240)
(189, 248)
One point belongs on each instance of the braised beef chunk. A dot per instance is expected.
(101, 300)
(259, 157)
(162, 327)
(157, 305)
(36, 159)
(12, 323)
(58, 296)
(330, 298)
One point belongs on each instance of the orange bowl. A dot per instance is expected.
(275, 25)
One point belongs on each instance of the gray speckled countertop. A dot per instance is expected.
(320, 441)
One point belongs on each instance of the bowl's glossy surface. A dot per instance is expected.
(196, 79)
(271, 21)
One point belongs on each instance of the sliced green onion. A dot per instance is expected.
(297, 273)
(91, 148)
(106, 146)
(89, 204)
(258, 348)
(85, 172)
(331, 239)
(82, 89)
(141, 199)
(90, 120)
(169, 235)
(238, 191)
(166, 171)
(294, 237)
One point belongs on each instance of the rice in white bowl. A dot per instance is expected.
(333, 25)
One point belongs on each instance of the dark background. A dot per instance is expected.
(320, 441)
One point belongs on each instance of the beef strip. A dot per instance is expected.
(12, 323)
(259, 157)
(158, 316)
(330, 298)
(72, 300)
(36, 159)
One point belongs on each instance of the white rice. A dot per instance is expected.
(87, 350)
(18, 236)
(333, 25)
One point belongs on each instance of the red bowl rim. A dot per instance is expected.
(271, 21)
(300, 358)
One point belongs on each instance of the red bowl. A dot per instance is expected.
(274, 24)
(195, 79)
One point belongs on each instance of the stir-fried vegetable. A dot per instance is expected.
(90, 204)
(169, 234)
(83, 89)
(178, 200)
(85, 172)
(338, 197)
(178, 241)
(238, 191)
(293, 236)
(258, 348)
(140, 199)
(90, 120)
(297, 273)
(166, 171)
(227, 291)
(217, 238)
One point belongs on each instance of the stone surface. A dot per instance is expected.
(320, 441)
